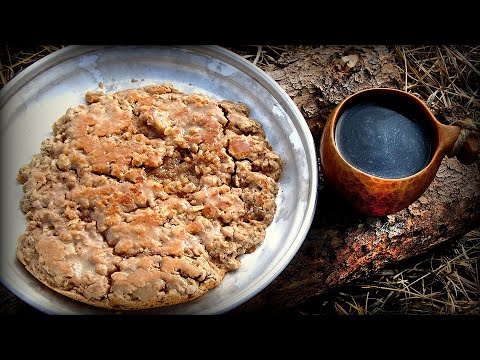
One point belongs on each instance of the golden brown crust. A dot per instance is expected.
(146, 197)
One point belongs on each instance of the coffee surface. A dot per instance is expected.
(382, 142)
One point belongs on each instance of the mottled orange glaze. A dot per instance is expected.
(372, 195)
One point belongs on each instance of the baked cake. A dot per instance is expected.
(146, 197)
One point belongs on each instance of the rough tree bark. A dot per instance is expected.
(318, 79)
(341, 245)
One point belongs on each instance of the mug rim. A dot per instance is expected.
(438, 149)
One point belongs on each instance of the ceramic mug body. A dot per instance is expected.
(372, 195)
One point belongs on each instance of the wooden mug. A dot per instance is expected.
(376, 196)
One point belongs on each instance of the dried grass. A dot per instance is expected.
(261, 55)
(445, 77)
(443, 281)
(13, 59)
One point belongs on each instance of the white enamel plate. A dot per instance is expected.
(42, 93)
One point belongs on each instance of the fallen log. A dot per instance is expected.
(341, 245)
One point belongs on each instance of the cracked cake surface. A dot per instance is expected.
(146, 197)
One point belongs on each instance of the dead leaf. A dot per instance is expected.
(350, 60)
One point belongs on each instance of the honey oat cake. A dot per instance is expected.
(146, 197)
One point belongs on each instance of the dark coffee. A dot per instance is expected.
(382, 142)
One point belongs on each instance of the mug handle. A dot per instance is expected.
(459, 142)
